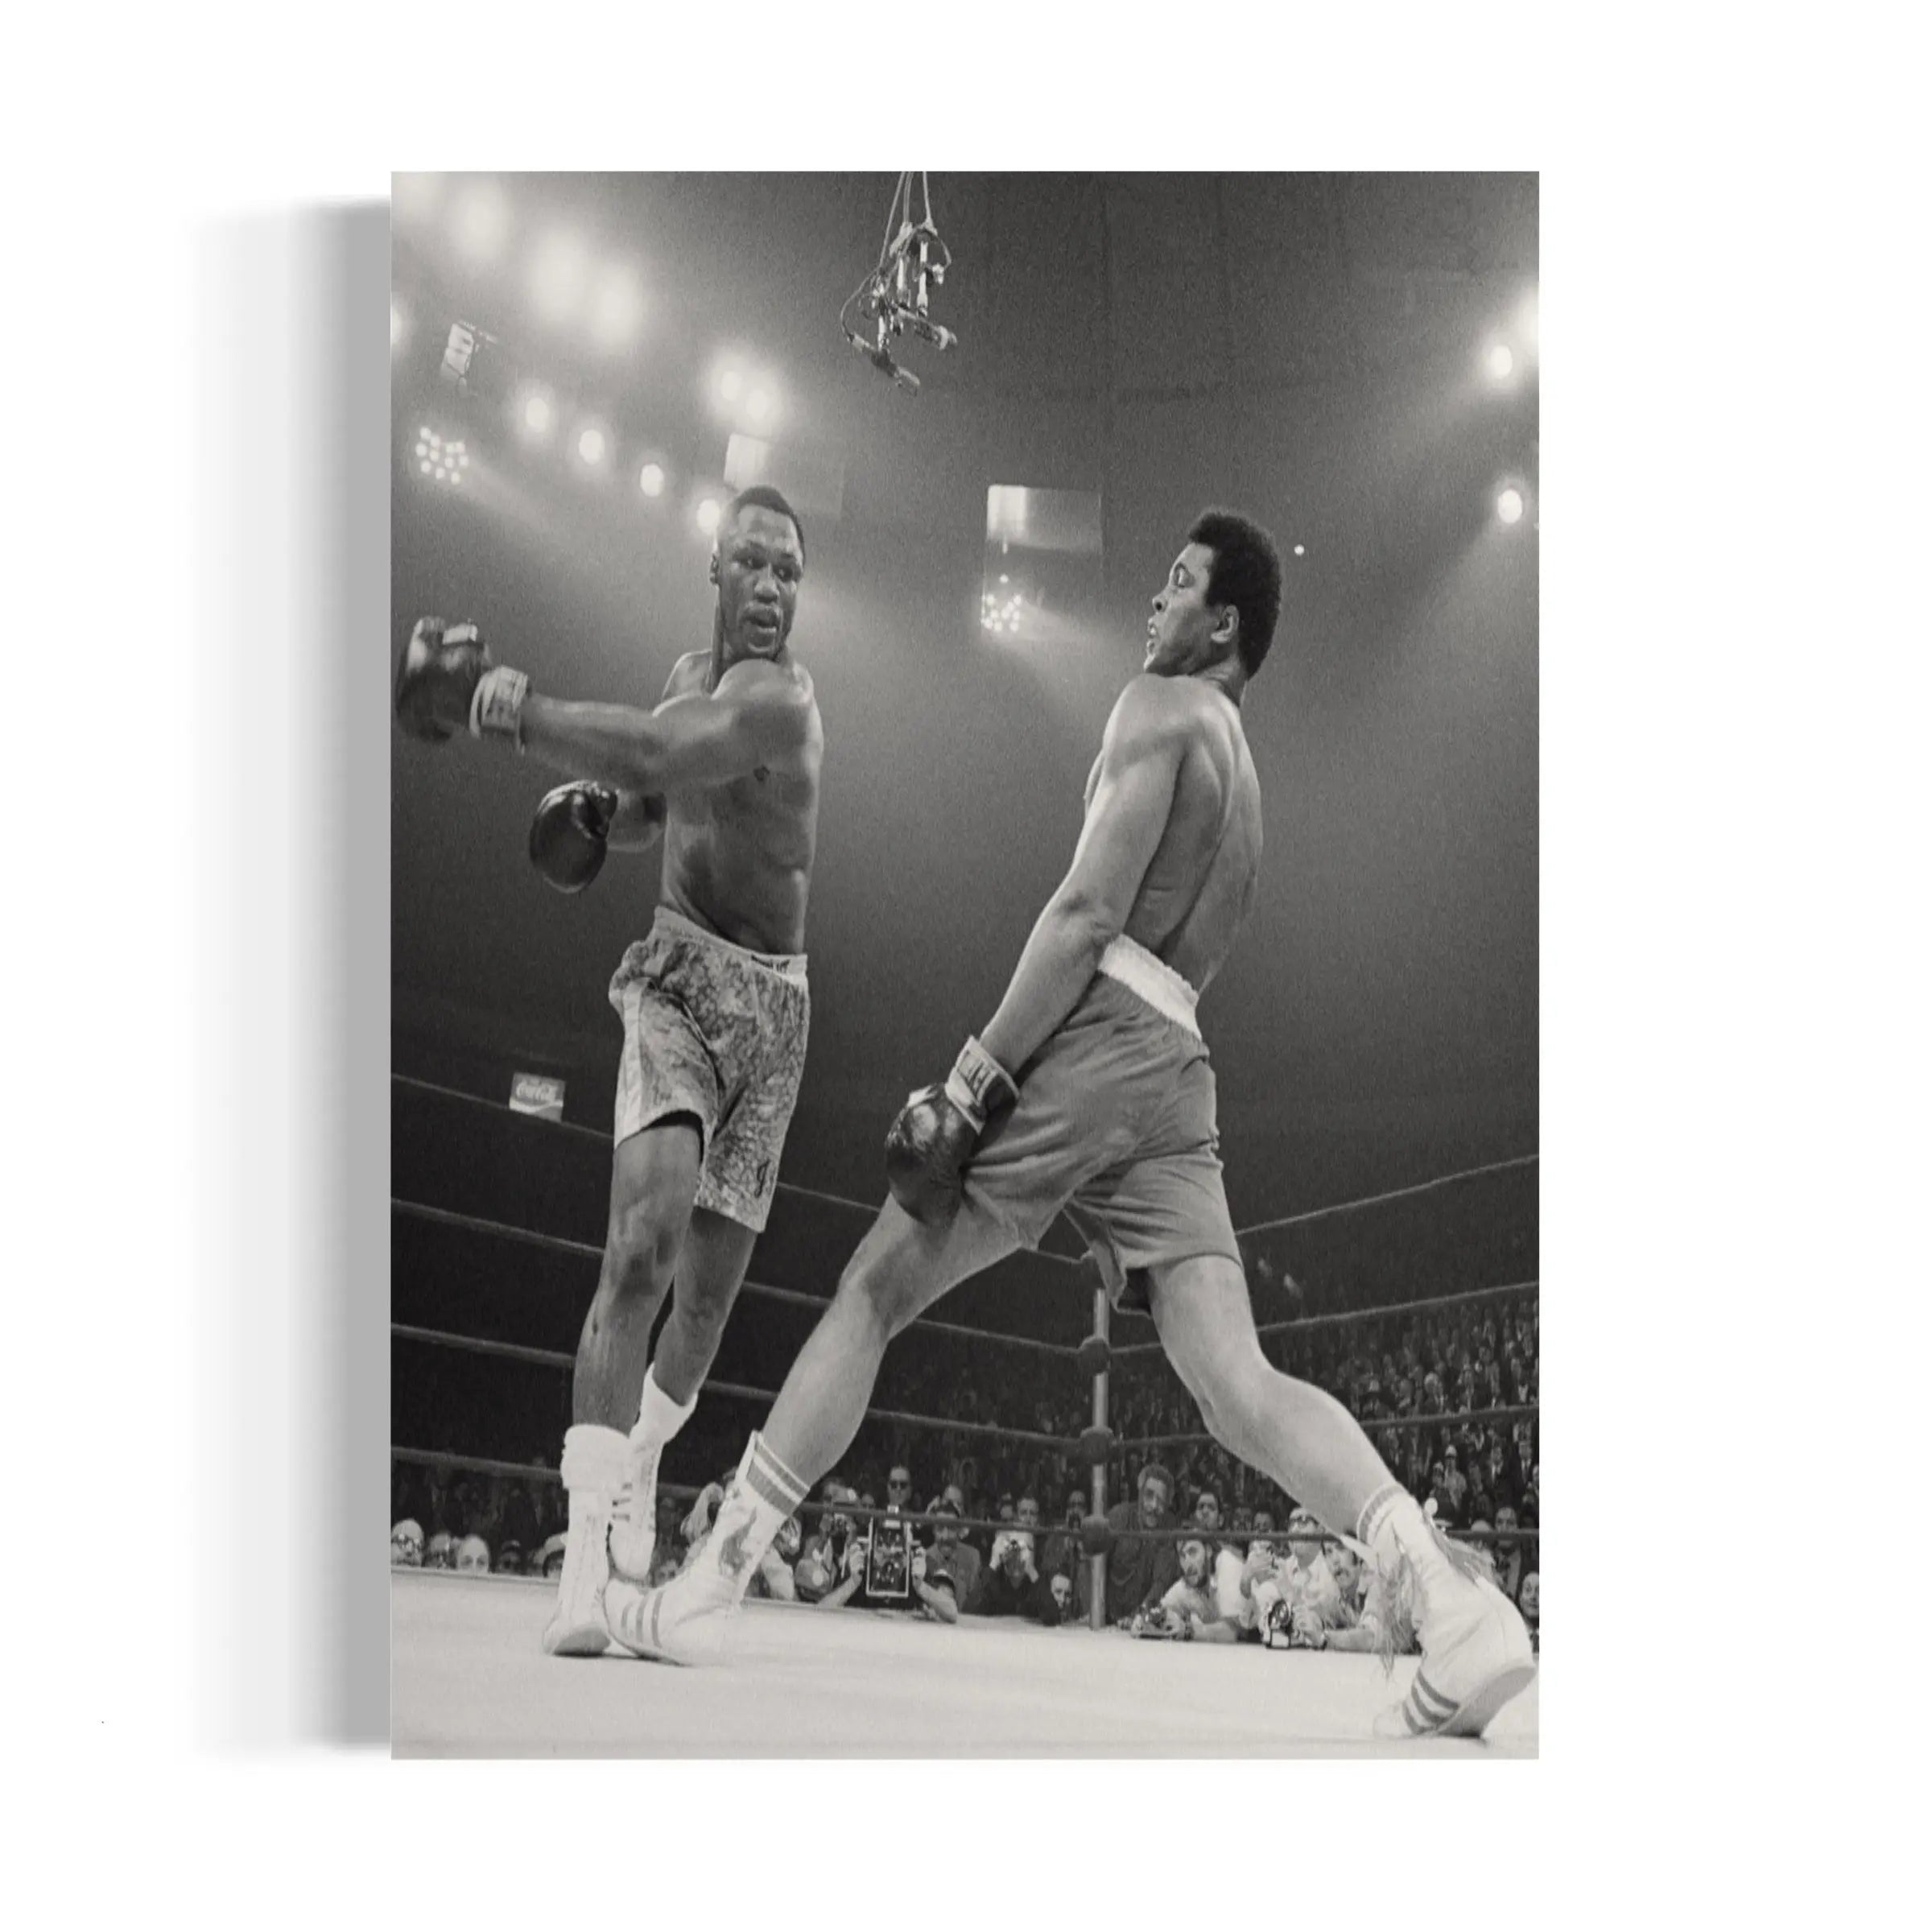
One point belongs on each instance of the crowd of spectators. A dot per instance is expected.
(1415, 1382)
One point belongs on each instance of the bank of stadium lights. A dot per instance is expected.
(650, 479)
(1499, 360)
(441, 459)
(594, 446)
(1509, 504)
(1000, 609)
(707, 513)
(480, 221)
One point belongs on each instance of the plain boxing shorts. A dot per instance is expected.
(1115, 1125)
(716, 1032)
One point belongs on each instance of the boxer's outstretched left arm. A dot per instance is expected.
(757, 716)
(1140, 759)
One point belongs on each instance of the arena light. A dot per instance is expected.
(536, 414)
(616, 307)
(1509, 504)
(559, 272)
(650, 479)
(1301, 549)
(481, 221)
(760, 404)
(592, 446)
(1500, 362)
(442, 459)
(709, 509)
(729, 382)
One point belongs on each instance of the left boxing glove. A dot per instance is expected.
(446, 683)
(928, 1146)
(571, 833)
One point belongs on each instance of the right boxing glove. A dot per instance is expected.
(571, 833)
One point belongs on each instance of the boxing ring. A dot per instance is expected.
(469, 1677)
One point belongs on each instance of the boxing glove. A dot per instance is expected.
(571, 833)
(446, 683)
(928, 1146)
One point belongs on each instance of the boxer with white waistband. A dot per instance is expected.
(1089, 1091)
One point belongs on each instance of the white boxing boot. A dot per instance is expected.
(633, 1521)
(688, 1620)
(1476, 1654)
(595, 1466)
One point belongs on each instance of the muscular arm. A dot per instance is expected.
(758, 716)
(639, 820)
(1140, 762)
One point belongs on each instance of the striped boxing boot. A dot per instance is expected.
(1476, 1654)
(688, 1620)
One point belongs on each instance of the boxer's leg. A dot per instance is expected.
(1297, 1435)
(711, 1271)
(900, 1269)
(1475, 1648)
(654, 1182)
(711, 1267)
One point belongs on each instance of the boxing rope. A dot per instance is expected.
(1095, 1447)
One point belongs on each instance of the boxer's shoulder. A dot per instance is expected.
(688, 674)
(1153, 709)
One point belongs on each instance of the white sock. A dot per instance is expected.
(763, 1494)
(659, 1418)
(1392, 1525)
(595, 1465)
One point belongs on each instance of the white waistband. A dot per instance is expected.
(790, 964)
(1153, 980)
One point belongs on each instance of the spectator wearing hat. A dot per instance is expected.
(1140, 1569)
(951, 1559)
(406, 1545)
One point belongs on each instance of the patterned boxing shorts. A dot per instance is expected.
(716, 1032)
(1115, 1125)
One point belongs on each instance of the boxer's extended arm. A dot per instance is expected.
(757, 716)
(638, 821)
(1140, 760)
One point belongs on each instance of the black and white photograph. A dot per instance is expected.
(963, 965)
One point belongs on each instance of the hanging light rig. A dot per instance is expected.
(893, 300)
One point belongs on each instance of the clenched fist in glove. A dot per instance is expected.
(928, 1146)
(446, 683)
(571, 833)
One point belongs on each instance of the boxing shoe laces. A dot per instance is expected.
(633, 1525)
(1476, 1654)
(577, 1626)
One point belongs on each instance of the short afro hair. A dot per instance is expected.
(761, 496)
(1247, 573)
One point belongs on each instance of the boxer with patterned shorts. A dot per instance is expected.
(714, 1002)
(1090, 1090)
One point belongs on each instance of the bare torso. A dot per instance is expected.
(738, 857)
(1200, 884)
